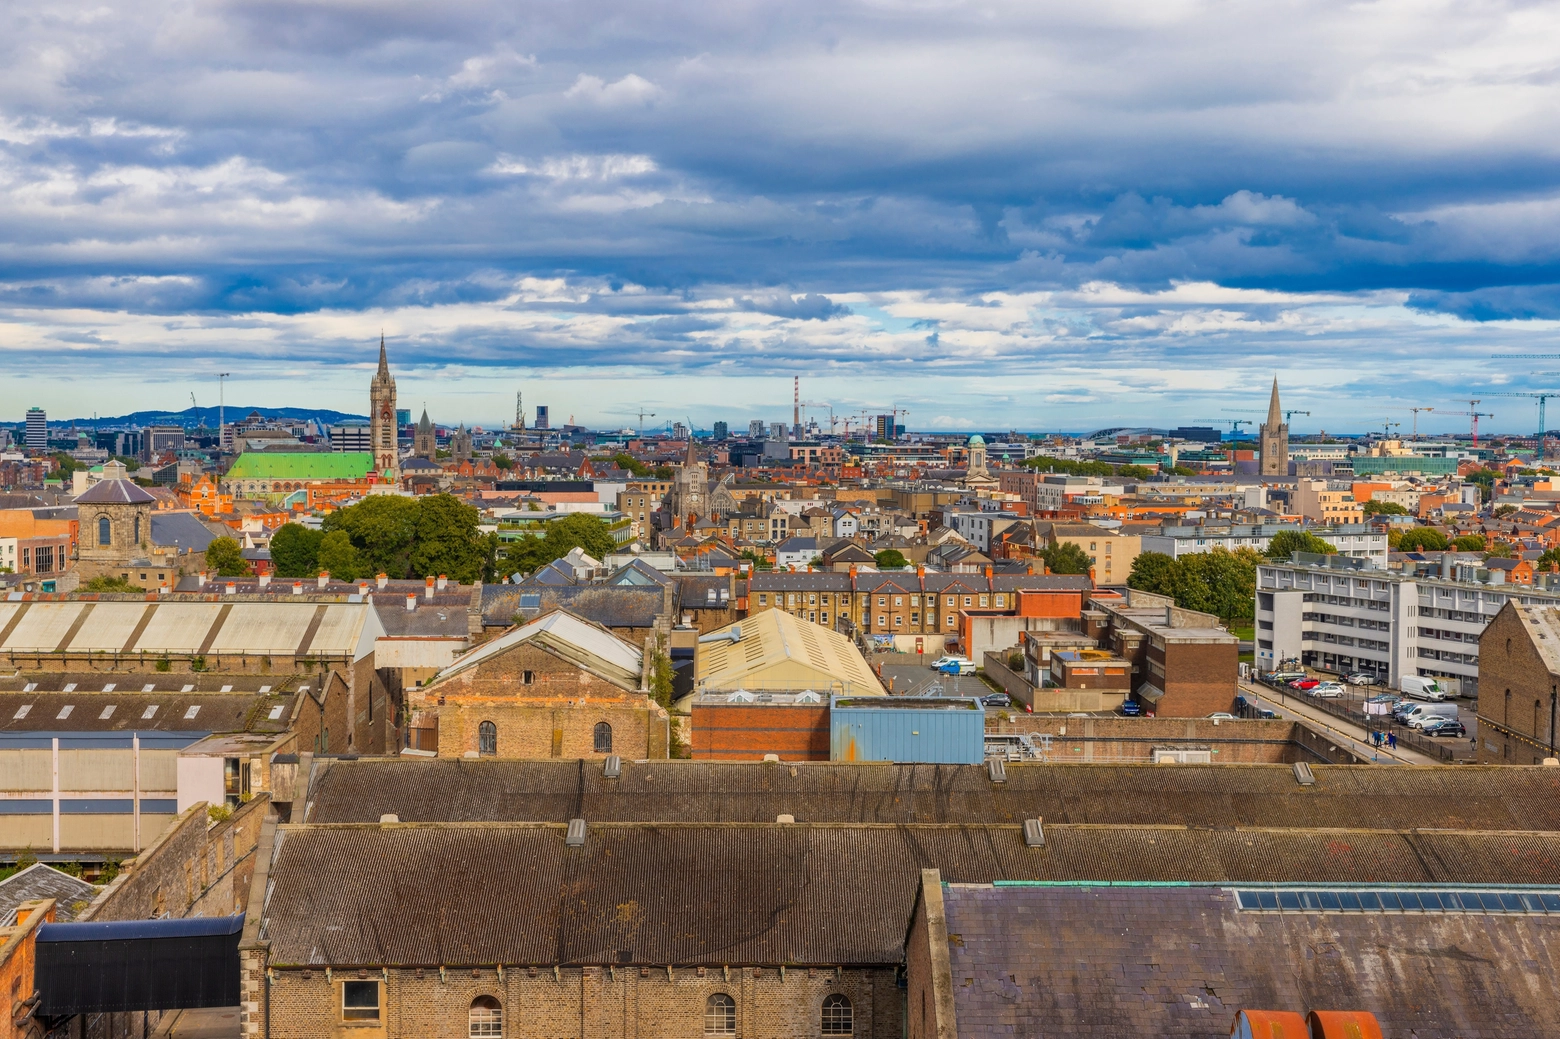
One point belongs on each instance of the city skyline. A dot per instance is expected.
(1021, 215)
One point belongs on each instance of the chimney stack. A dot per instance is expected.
(381, 580)
(324, 579)
(411, 603)
(230, 588)
(265, 580)
(200, 579)
(428, 590)
(363, 588)
(443, 580)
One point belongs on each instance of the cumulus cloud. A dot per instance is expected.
(811, 306)
(631, 90)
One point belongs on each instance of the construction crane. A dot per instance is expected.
(1543, 427)
(1388, 427)
(1235, 423)
(1256, 411)
(1416, 412)
(1474, 414)
(819, 404)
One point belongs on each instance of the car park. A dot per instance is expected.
(954, 665)
(1443, 727)
(1130, 708)
(1284, 677)
(1361, 678)
(997, 700)
(1305, 683)
(1326, 690)
(1421, 688)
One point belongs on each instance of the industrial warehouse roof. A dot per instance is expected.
(586, 645)
(770, 893)
(1181, 961)
(70, 894)
(611, 606)
(122, 704)
(778, 651)
(188, 628)
(324, 465)
(1492, 797)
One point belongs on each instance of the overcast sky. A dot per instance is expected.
(997, 215)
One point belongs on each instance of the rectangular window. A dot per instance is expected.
(823, 618)
(915, 618)
(950, 600)
(898, 621)
(899, 600)
(966, 600)
(882, 601)
(882, 621)
(360, 1001)
(763, 598)
(915, 600)
(950, 620)
(984, 601)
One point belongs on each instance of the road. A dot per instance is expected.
(1295, 709)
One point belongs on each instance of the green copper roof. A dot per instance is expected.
(342, 465)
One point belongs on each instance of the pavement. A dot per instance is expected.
(1294, 708)
(207, 1023)
(920, 680)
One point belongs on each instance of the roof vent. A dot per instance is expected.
(575, 838)
(785, 817)
(1034, 836)
(1303, 774)
(996, 769)
(389, 817)
(613, 767)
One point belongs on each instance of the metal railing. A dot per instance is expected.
(1406, 737)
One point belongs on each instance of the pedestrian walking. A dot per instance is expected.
(1392, 740)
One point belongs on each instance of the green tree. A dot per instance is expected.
(1153, 572)
(503, 462)
(383, 529)
(1470, 543)
(1503, 511)
(890, 559)
(1550, 557)
(1065, 557)
(295, 550)
(576, 531)
(1287, 542)
(1501, 550)
(339, 557)
(111, 584)
(624, 460)
(1485, 478)
(1384, 508)
(447, 540)
(226, 557)
(1134, 472)
(1423, 539)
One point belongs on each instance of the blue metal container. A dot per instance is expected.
(942, 730)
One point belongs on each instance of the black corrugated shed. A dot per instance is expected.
(138, 965)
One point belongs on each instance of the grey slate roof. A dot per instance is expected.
(1367, 796)
(1181, 961)
(114, 492)
(182, 530)
(218, 712)
(44, 881)
(765, 894)
(609, 606)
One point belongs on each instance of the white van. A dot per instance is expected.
(1421, 713)
(1417, 688)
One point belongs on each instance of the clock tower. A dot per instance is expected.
(381, 417)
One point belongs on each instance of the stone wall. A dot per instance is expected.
(1239, 742)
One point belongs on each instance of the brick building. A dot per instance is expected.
(1519, 685)
(557, 686)
(37, 545)
(1184, 663)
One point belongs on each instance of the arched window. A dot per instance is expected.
(105, 531)
(720, 1015)
(486, 1017)
(603, 743)
(137, 538)
(487, 742)
(837, 1018)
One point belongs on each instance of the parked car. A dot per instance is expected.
(997, 700)
(1283, 676)
(1421, 688)
(1443, 727)
(1131, 708)
(1361, 678)
(1327, 690)
(1420, 714)
(1305, 683)
(1400, 708)
(954, 665)
(1222, 716)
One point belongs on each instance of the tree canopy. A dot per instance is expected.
(562, 536)
(226, 557)
(1421, 539)
(295, 550)
(1384, 508)
(891, 559)
(111, 584)
(1065, 557)
(1501, 550)
(624, 460)
(1470, 543)
(1220, 582)
(389, 534)
(1287, 542)
(1073, 467)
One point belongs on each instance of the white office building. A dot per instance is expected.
(1337, 613)
(1350, 539)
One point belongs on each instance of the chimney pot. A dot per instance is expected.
(297, 587)
(265, 580)
(428, 589)
(381, 580)
(200, 579)
(324, 578)
(443, 581)
(231, 587)
(411, 603)
(362, 587)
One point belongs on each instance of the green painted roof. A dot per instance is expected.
(335, 465)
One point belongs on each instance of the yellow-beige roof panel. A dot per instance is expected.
(44, 627)
(779, 651)
(263, 627)
(178, 627)
(340, 630)
(108, 628)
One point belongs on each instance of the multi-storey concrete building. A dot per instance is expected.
(1350, 539)
(1338, 614)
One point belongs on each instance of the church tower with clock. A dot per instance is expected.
(381, 412)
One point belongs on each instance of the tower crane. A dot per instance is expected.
(1475, 415)
(1542, 398)
(818, 404)
(1416, 412)
(1235, 423)
(1255, 411)
(1388, 427)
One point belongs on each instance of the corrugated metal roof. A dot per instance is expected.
(109, 627)
(764, 894)
(44, 627)
(779, 651)
(264, 627)
(1367, 796)
(178, 628)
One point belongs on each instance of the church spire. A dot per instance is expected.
(384, 362)
(1275, 413)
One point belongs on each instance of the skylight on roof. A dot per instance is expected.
(109, 687)
(1398, 900)
(21, 712)
(64, 712)
(276, 712)
(265, 689)
(29, 687)
(149, 687)
(192, 712)
(149, 712)
(187, 689)
(227, 689)
(70, 687)
(107, 713)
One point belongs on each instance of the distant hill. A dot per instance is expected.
(193, 418)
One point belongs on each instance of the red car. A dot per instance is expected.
(1305, 683)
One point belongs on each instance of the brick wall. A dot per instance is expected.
(589, 1001)
(18, 955)
(746, 732)
(539, 730)
(1242, 741)
(1515, 686)
(1199, 677)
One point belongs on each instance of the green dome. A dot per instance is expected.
(977, 439)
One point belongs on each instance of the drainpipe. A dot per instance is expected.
(1554, 694)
